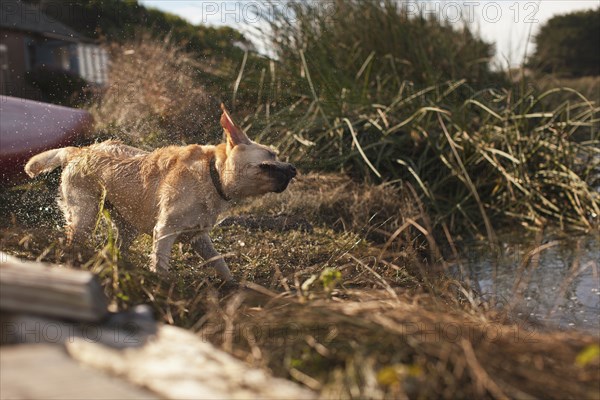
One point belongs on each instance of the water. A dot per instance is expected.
(558, 287)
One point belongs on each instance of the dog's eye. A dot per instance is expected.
(268, 166)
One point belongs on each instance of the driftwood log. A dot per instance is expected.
(29, 287)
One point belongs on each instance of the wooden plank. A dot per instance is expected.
(177, 364)
(38, 288)
(44, 371)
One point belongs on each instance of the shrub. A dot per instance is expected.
(120, 21)
(567, 45)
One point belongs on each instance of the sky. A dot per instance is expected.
(510, 24)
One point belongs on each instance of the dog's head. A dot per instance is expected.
(251, 169)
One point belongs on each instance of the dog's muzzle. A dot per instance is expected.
(281, 173)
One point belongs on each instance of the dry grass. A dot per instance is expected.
(341, 203)
(348, 316)
(367, 343)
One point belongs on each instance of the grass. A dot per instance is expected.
(480, 152)
(335, 305)
(398, 45)
(477, 160)
(489, 158)
(588, 86)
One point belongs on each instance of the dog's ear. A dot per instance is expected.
(234, 134)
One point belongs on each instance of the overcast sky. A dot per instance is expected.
(505, 22)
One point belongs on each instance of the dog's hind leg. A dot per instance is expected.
(203, 245)
(127, 232)
(80, 208)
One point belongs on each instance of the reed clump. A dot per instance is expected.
(478, 157)
(488, 158)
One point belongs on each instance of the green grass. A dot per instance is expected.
(480, 153)
(481, 162)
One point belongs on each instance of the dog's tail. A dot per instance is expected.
(49, 160)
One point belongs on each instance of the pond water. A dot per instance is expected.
(558, 284)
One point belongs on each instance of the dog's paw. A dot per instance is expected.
(231, 284)
(163, 273)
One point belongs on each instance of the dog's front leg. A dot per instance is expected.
(203, 245)
(164, 237)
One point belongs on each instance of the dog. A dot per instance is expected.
(173, 193)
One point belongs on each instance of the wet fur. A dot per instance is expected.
(167, 193)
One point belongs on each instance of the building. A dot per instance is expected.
(31, 41)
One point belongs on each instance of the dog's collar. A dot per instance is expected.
(216, 179)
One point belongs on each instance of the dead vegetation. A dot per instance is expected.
(338, 307)
(369, 343)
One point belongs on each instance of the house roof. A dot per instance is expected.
(17, 15)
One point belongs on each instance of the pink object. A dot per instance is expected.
(30, 127)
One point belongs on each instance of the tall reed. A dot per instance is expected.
(478, 157)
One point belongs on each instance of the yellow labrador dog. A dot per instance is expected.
(172, 193)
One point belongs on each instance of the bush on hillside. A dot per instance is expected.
(567, 45)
